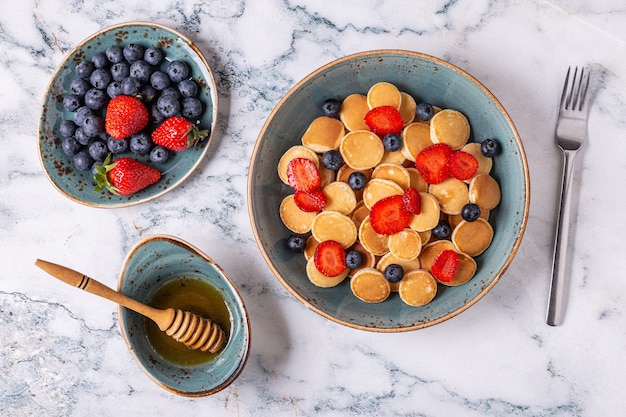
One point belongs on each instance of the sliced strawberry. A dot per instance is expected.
(412, 201)
(462, 165)
(432, 163)
(330, 258)
(445, 265)
(303, 175)
(313, 200)
(383, 120)
(388, 216)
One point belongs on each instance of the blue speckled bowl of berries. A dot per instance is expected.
(149, 61)
(429, 80)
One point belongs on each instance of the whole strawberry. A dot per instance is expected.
(124, 176)
(177, 134)
(125, 116)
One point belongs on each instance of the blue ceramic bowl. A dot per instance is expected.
(428, 79)
(153, 263)
(79, 185)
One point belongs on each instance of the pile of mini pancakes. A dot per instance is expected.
(345, 218)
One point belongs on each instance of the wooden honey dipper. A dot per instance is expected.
(193, 331)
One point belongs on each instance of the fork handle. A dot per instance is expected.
(557, 299)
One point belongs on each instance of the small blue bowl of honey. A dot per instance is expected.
(164, 271)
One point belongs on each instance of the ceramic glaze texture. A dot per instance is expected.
(427, 79)
(62, 352)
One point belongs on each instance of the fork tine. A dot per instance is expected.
(584, 100)
(564, 96)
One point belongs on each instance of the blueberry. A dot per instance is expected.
(332, 160)
(160, 80)
(442, 230)
(82, 161)
(130, 86)
(490, 148)
(95, 98)
(70, 146)
(79, 86)
(98, 151)
(394, 273)
(141, 70)
(133, 52)
(148, 93)
(67, 128)
(100, 78)
(114, 89)
(84, 69)
(141, 143)
(424, 111)
(168, 105)
(470, 212)
(117, 146)
(354, 259)
(120, 70)
(99, 60)
(93, 125)
(71, 102)
(296, 243)
(392, 142)
(357, 180)
(191, 107)
(159, 155)
(114, 54)
(83, 138)
(188, 88)
(178, 71)
(331, 107)
(153, 56)
(156, 117)
(81, 113)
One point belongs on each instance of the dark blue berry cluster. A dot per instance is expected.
(166, 87)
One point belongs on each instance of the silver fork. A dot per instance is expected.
(571, 135)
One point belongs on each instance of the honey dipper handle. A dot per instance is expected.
(76, 279)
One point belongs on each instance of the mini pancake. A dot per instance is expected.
(417, 288)
(359, 213)
(407, 108)
(370, 285)
(450, 127)
(430, 251)
(361, 149)
(465, 272)
(309, 247)
(377, 188)
(484, 191)
(369, 260)
(344, 173)
(328, 175)
(472, 238)
(417, 181)
(340, 197)
(406, 244)
(451, 194)
(372, 242)
(293, 218)
(415, 138)
(428, 217)
(394, 157)
(323, 134)
(297, 151)
(383, 94)
(320, 280)
(389, 259)
(455, 219)
(353, 111)
(332, 225)
(484, 163)
(393, 172)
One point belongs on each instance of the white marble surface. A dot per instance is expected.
(61, 352)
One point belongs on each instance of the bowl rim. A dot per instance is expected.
(207, 141)
(243, 359)
(438, 61)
